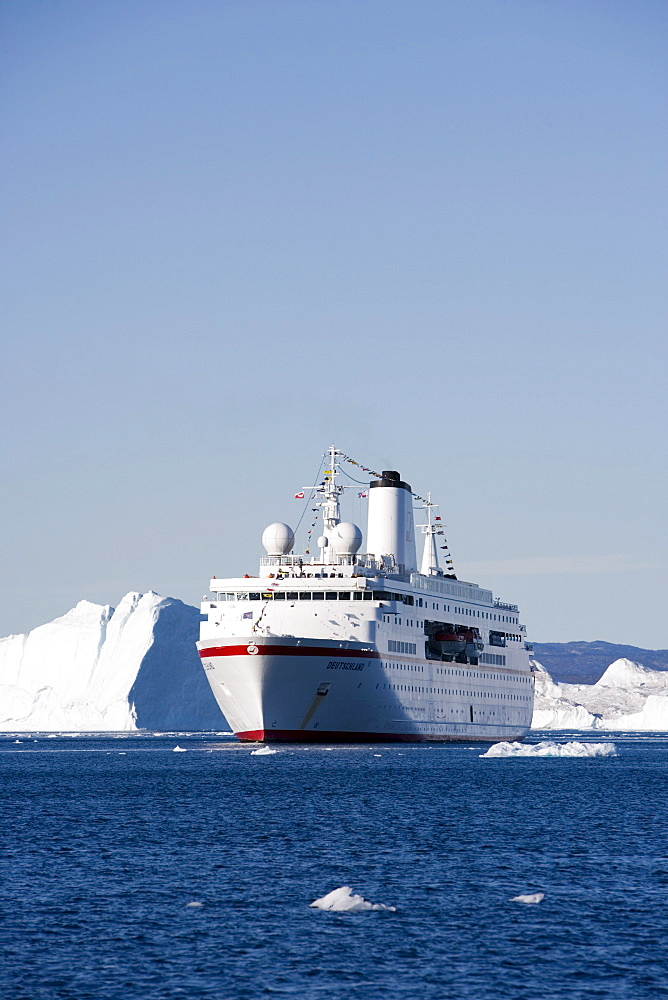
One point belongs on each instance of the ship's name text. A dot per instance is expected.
(344, 665)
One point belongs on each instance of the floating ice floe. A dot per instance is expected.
(178, 749)
(194, 905)
(344, 900)
(550, 749)
(529, 897)
(262, 751)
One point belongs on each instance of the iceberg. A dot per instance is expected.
(629, 696)
(344, 900)
(263, 751)
(550, 749)
(103, 669)
(529, 897)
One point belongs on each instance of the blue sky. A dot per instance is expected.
(433, 232)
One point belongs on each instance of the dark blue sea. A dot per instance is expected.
(105, 842)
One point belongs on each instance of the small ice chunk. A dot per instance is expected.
(529, 897)
(178, 749)
(194, 905)
(262, 751)
(378, 755)
(344, 900)
(548, 748)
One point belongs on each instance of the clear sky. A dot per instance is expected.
(431, 231)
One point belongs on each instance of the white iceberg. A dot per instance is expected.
(344, 900)
(103, 669)
(548, 748)
(529, 897)
(262, 751)
(628, 697)
(178, 749)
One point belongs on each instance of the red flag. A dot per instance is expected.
(299, 496)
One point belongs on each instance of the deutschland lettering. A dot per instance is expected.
(344, 665)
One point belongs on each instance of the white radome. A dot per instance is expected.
(278, 539)
(346, 538)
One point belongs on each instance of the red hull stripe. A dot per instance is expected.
(315, 736)
(274, 650)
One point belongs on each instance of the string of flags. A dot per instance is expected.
(315, 512)
(447, 559)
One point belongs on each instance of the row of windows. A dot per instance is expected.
(482, 675)
(396, 646)
(302, 595)
(313, 595)
(457, 692)
(357, 595)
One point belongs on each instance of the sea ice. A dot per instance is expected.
(344, 900)
(262, 751)
(550, 749)
(529, 897)
(195, 904)
(178, 749)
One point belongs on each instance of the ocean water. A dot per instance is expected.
(105, 842)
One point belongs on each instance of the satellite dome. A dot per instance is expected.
(346, 538)
(278, 539)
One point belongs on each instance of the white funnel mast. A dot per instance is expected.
(391, 528)
(430, 553)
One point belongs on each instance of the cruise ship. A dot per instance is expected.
(345, 646)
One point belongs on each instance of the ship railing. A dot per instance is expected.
(506, 607)
(304, 560)
(452, 588)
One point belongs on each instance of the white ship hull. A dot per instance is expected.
(279, 688)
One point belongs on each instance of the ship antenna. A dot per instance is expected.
(430, 565)
(331, 492)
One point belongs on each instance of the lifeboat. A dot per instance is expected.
(450, 643)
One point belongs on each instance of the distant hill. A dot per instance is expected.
(585, 662)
